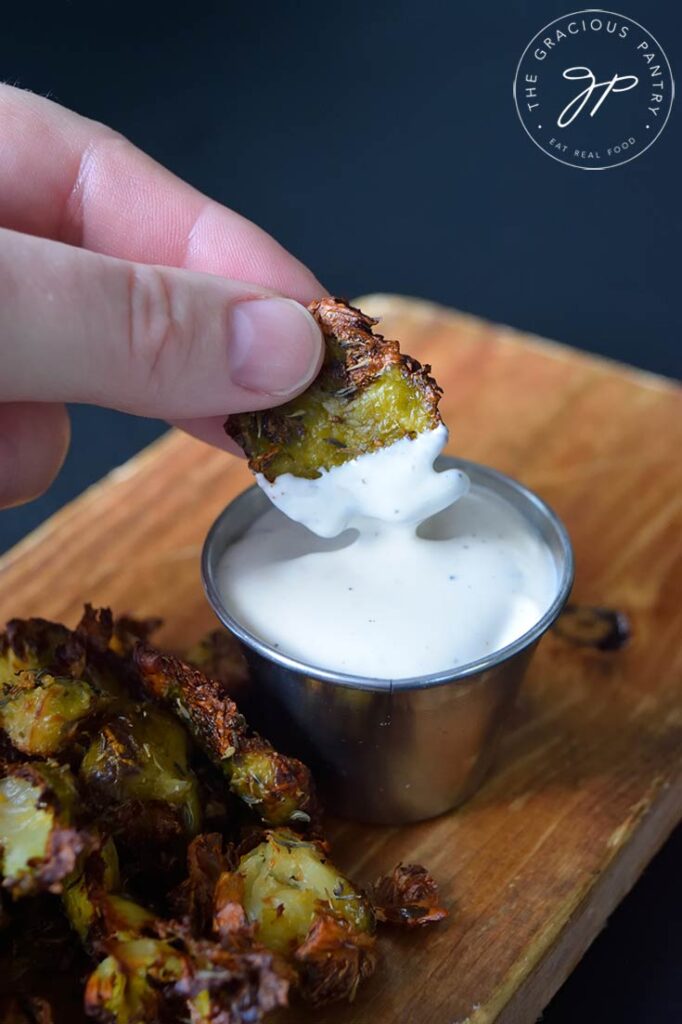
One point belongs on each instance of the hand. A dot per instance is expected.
(120, 285)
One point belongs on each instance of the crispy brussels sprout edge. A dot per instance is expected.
(366, 396)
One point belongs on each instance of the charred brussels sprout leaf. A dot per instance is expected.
(604, 629)
(193, 901)
(334, 959)
(366, 396)
(407, 897)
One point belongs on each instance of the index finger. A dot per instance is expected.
(65, 177)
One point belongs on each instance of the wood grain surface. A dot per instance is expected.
(588, 783)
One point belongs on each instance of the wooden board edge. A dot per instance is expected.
(576, 935)
(555, 349)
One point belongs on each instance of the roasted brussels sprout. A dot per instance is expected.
(298, 905)
(285, 895)
(141, 980)
(99, 911)
(41, 713)
(287, 880)
(151, 964)
(53, 680)
(366, 396)
(136, 773)
(199, 701)
(94, 904)
(40, 845)
(260, 909)
(277, 787)
(127, 986)
(123, 988)
(34, 644)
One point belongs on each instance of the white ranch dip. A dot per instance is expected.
(387, 598)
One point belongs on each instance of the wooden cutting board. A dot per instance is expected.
(589, 778)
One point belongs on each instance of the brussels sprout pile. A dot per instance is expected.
(159, 860)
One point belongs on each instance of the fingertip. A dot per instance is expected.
(276, 347)
(34, 440)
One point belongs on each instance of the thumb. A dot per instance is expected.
(77, 326)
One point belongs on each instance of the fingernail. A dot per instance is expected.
(275, 346)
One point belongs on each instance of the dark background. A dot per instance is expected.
(379, 142)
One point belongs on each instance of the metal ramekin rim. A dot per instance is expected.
(565, 582)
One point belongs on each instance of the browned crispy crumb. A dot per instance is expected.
(407, 897)
(605, 629)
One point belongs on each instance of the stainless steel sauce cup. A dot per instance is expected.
(390, 751)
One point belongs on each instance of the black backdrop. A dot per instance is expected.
(379, 142)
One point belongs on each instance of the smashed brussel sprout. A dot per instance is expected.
(277, 787)
(140, 757)
(40, 845)
(41, 713)
(284, 896)
(126, 987)
(366, 396)
(286, 880)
